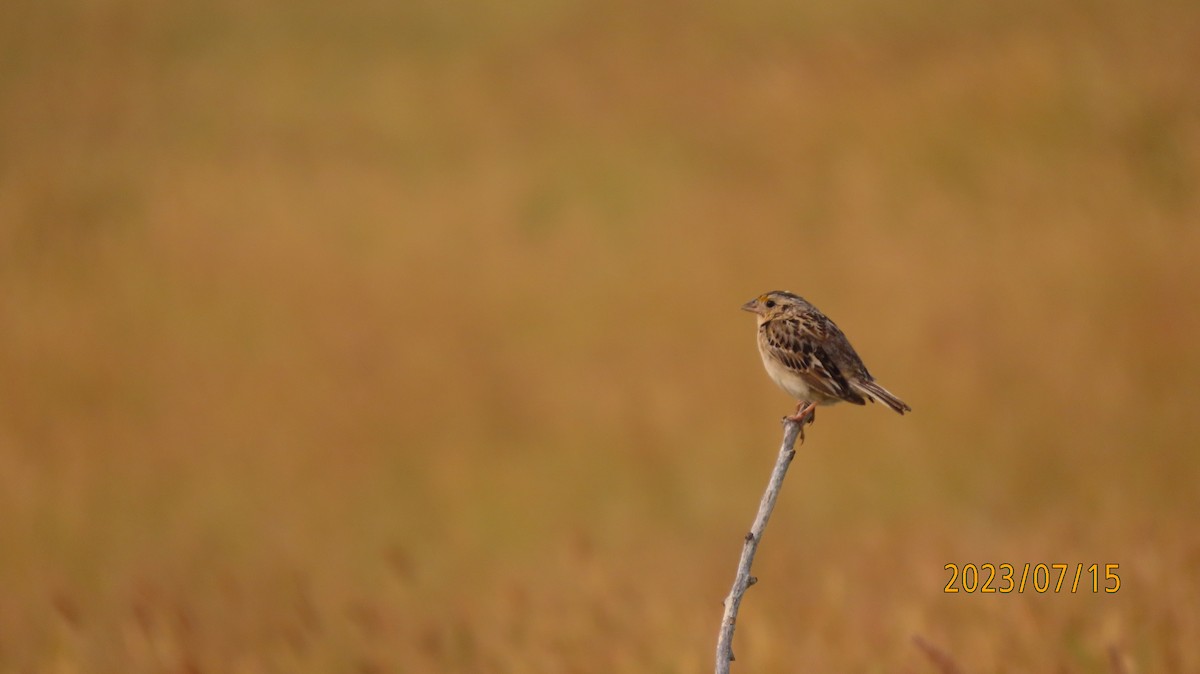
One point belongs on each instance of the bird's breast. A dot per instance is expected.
(784, 377)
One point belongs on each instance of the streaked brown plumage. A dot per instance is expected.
(808, 356)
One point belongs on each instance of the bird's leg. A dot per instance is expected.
(804, 409)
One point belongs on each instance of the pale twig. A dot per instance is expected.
(743, 579)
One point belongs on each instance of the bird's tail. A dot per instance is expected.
(878, 393)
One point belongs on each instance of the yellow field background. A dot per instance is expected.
(404, 337)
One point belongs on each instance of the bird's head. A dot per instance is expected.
(773, 304)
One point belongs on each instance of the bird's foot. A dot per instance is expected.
(806, 414)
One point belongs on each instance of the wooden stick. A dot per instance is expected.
(743, 579)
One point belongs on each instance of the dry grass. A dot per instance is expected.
(399, 337)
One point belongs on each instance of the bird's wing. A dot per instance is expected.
(803, 345)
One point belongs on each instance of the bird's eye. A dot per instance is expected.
(770, 304)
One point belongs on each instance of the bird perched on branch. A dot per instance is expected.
(808, 356)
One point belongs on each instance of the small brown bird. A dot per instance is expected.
(809, 357)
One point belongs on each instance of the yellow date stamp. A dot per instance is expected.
(1041, 578)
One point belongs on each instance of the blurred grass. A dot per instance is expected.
(404, 337)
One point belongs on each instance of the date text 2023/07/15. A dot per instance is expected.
(1041, 578)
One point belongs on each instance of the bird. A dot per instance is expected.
(809, 357)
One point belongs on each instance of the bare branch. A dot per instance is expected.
(743, 579)
(942, 660)
(1117, 662)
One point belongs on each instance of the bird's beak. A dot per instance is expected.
(751, 306)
